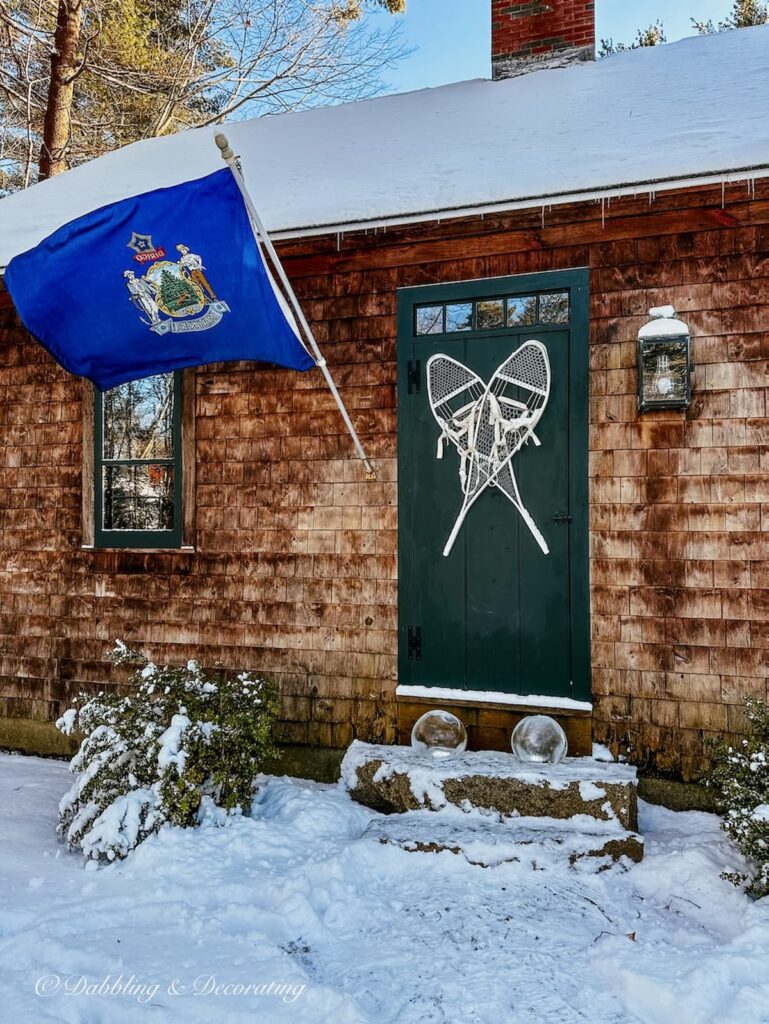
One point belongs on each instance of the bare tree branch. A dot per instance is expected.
(142, 68)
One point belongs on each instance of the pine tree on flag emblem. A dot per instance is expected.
(177, 294)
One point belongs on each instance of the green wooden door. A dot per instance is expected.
(495, 614)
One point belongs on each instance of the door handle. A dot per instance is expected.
(562, 517)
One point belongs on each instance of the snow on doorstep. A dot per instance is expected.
(528, 700)
(602, 752)
(692, 108)
(484, 840)
(589, 791)
(407, 761)
(364, 933)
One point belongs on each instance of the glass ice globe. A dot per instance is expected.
(439, 734)
(539, 739)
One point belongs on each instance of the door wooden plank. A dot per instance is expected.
(543, 474)
(438, 584)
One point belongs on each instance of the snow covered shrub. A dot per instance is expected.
(742, 776)
(181, 743)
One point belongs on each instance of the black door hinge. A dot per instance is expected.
(414, 376)
(562, 517)
(415, 643)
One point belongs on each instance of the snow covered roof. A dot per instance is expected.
(681, 113)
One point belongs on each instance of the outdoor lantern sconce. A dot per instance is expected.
(664, 363)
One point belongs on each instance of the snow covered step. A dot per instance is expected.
(533, 841)
(397, 779)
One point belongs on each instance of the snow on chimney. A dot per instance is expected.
(527, 35)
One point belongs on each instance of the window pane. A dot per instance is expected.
(138, 419)
(522, 310)
(554, 308)
(490, 314)
(429, 319)
(138, 497)
(459, 317)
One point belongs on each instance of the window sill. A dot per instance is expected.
(186, 549)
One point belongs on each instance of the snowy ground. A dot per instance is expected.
(360, 932)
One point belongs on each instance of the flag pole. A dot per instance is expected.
(262, 237)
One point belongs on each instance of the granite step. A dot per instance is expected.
(535, 842)
(396, 779)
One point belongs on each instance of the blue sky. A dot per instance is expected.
(450, 38)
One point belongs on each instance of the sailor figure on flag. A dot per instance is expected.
(88, 326)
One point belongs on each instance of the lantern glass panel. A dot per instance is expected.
(664, 373)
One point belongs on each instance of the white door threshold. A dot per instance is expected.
(518, 700)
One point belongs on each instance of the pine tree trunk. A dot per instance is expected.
(58, 112)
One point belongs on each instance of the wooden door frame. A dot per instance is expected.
(576, 282)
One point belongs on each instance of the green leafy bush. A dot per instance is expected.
(742, 776)
(182, 745)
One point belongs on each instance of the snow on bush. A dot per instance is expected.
(742, 775)
(181, 744)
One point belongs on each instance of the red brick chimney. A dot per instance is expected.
(527, 35)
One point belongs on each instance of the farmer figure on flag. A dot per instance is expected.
(192, 265)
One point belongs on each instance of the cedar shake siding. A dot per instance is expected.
(294, 571)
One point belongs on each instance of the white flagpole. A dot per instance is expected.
(263, 238)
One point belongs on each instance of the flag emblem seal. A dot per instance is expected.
(179, 290)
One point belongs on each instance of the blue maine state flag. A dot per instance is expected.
(167, 279)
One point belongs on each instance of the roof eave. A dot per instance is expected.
(596, 194)
(723, 177)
